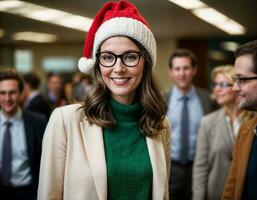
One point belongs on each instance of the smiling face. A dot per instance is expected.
(122, 81)
(223, 95)
(9, 97)
(246, 91)
(182, 73)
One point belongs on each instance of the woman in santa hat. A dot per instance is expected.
(116, 144)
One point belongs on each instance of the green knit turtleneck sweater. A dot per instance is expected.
(129, 170)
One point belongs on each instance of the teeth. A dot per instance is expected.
(120, 79)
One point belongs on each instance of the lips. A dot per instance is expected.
(120, 81)
(240, 97)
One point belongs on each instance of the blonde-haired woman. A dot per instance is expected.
(216, 137)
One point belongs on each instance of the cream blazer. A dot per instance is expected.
(73, 163)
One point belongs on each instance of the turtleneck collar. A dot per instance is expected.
(125, 113)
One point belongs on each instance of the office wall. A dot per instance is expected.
(164, 50)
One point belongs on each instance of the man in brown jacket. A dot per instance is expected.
(242, 179)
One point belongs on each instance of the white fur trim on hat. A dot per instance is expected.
(86, 65)
(129, 27)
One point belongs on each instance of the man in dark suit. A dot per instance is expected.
(186, 106)
(34, 101)
(21, 135)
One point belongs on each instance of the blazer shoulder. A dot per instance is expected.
(213, 119)
(213, 116)
(202, 91)
(70, 112)
(33, 115)
(71, 107)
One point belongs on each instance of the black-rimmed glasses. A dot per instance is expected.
(129, 59)
(241, 80)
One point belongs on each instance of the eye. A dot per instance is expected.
(107, 57)
(224, 84)
(130, 57)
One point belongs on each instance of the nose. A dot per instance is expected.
(119, 67)
(7, 96)
(235, 87)
(182, 72)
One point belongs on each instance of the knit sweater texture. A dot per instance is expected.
(129, 170)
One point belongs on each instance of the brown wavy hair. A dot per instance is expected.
(154, 106)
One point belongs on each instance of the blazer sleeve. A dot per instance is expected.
(201, 166)
(229, 189)
(52, 165)
(167, 150)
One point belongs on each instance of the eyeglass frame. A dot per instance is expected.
(139, 53)
(222, 84)
(241, 80)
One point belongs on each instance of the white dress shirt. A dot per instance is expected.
(21, 172)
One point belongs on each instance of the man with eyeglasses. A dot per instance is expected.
(242, 180)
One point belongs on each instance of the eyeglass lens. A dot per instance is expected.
(222, 84)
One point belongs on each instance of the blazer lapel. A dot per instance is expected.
(244, 154)
(228, 135)
(156, 152)
(28, 134)
(94, 145)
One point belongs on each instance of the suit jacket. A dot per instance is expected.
(34, 125)
(40, 105)
(73, 159)
(241, 153)
(213, 156)
(207, 104)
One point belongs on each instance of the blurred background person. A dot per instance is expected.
(68, 92)
(21, 134)
(34, 100)
(216, 137)
(55, 92)
(83, 83)
(186, 106)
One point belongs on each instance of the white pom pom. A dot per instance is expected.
(86, 65)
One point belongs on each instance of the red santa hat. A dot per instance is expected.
(116, 19)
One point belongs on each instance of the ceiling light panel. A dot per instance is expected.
(189, 4)
(34, 37)
(8, 5)
(232, 27)
(46, 14)
(212, 16)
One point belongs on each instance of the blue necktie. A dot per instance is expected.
(6, 156)
(184, 139)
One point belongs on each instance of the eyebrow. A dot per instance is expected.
(10, 91)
